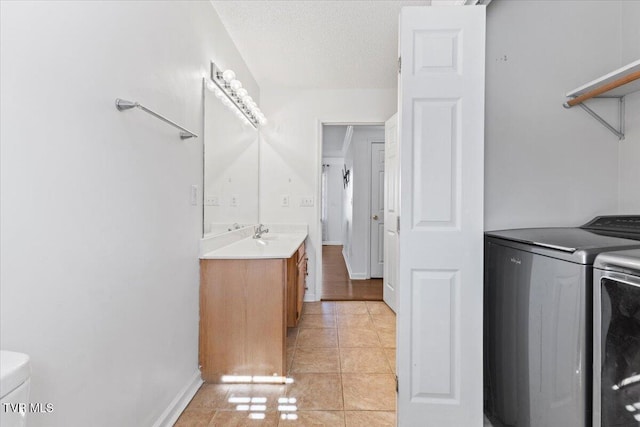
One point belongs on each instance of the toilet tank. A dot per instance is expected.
(15, 374)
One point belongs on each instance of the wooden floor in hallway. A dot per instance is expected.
(336, 284)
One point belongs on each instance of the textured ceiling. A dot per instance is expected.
(323, 44)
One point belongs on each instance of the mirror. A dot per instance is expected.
(231, 155)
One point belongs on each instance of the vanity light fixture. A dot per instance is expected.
(229, 90)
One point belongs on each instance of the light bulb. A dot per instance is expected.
(235, 84)
(228, 75)
(262, 120)
(242, 92)
(218, 93)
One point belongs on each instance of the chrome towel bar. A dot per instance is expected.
(123, 105)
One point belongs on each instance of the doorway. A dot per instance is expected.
(352, 211)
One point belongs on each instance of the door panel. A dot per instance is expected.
(440, 292)
(391, 212)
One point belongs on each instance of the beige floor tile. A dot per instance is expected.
(212, 396)
(317, 321)
(387, 338)
(369, 392)
(313, 418)
(357, 337)
(320, 307)
(391, 357)
(264, 396)
(318, 337)
(366, 360)
(382, 322)
(244, 418)
(290, 352)
(196, 417)
(292, 334)
(316, 392)
(370, 418)
(316, 360)
(351, 307)
(354, 321)
(380, 308)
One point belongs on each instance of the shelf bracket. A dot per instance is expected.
(617, 132)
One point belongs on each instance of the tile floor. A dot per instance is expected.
(341, 358)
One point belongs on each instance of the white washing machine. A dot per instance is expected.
(616, 339)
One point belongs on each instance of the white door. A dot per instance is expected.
(440, 291)
(377, 209)
(391, 211)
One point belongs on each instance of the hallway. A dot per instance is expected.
(336, 284)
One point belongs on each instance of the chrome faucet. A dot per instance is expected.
(260, 230)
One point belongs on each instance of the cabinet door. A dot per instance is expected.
(301, 285)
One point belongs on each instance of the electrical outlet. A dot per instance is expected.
(212, 200)
(234, 201)
(284, 200)
(306, 202)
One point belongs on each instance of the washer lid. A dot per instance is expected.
(564, 239)
(566, 243)
(14, 370)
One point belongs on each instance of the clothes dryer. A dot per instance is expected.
(616, 339)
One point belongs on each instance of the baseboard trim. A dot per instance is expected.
(332, 243)
(352, 276)
(182, 399)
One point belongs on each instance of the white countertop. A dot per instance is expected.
(271, 245)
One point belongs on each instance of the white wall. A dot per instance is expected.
(357, 247)
(630, 147)
(290, 156)
(545, 165)
(99, 241)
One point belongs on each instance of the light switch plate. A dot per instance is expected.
(234, 201)
(194, 195)
(284, 200)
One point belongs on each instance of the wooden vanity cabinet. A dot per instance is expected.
(245, 308)
(243, 326)
(296, 285)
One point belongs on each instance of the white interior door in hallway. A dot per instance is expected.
(377, 209)
(391, 212)
(440, 291)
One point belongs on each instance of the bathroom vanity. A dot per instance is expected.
(250, 291)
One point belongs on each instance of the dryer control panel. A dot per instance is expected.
(625, 226)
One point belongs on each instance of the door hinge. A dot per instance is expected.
(398, 225)
(397, 389)
(399, 64)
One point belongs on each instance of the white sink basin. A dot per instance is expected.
(270, 245)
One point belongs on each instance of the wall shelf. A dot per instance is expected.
(617, 85)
